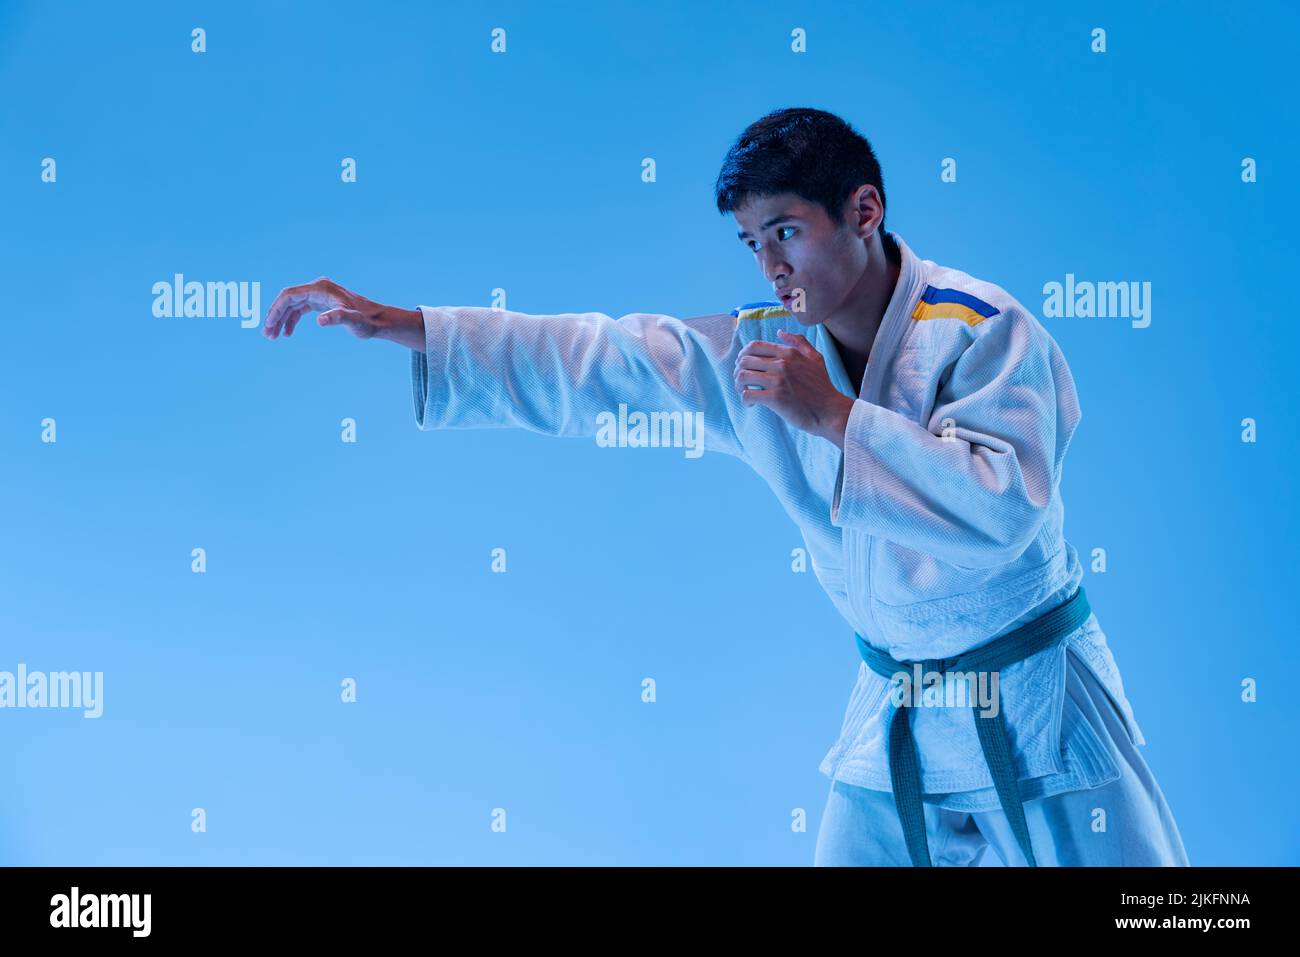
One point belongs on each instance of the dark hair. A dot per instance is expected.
(811, 153)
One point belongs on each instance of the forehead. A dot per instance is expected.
(760, 213)
(758, 210)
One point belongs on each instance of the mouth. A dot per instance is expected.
(786, 297)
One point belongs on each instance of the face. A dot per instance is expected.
(797, 246)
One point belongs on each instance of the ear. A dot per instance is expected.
(864, 205)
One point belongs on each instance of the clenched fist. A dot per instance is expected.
(794, 384)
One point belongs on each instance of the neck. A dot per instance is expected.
(855, 326)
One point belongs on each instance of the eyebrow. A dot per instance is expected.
(771, 222)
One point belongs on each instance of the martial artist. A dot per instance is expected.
(914, 421)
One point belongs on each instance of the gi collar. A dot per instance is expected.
(894, 323)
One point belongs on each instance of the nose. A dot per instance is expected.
(773, 266)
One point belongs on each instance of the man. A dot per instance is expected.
(917, 438)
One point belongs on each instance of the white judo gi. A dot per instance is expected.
(935, 530)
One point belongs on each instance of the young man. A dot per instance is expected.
(917, 437)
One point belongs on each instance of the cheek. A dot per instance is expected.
(832, 277)
(809, 273)
(823, 282)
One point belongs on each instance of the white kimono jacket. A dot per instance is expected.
(937, 529)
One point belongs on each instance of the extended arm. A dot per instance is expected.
(560, 375)
(557, 374)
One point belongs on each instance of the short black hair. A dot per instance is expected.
(809, 152)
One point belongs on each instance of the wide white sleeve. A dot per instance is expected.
(557, 374)
(971, 487)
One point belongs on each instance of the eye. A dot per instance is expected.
(754, 246)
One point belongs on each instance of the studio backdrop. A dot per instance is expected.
(304, 631)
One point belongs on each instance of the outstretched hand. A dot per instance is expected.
(795, 385)
(364, 318)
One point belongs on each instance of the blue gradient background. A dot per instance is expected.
(522, 170)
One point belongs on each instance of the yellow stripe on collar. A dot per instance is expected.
(947, 310)
(761, 311)
(952, 304)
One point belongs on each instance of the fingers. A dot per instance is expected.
(356, 322)
(286, 298)
(336, 317)
(793, 342)
(770, 349)
(761, 363)
(325, 298)
(295, 301)
(292, 316)
(798, 342)
(758, 367)
(747, 377)
(749, 396)
(763, 369)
